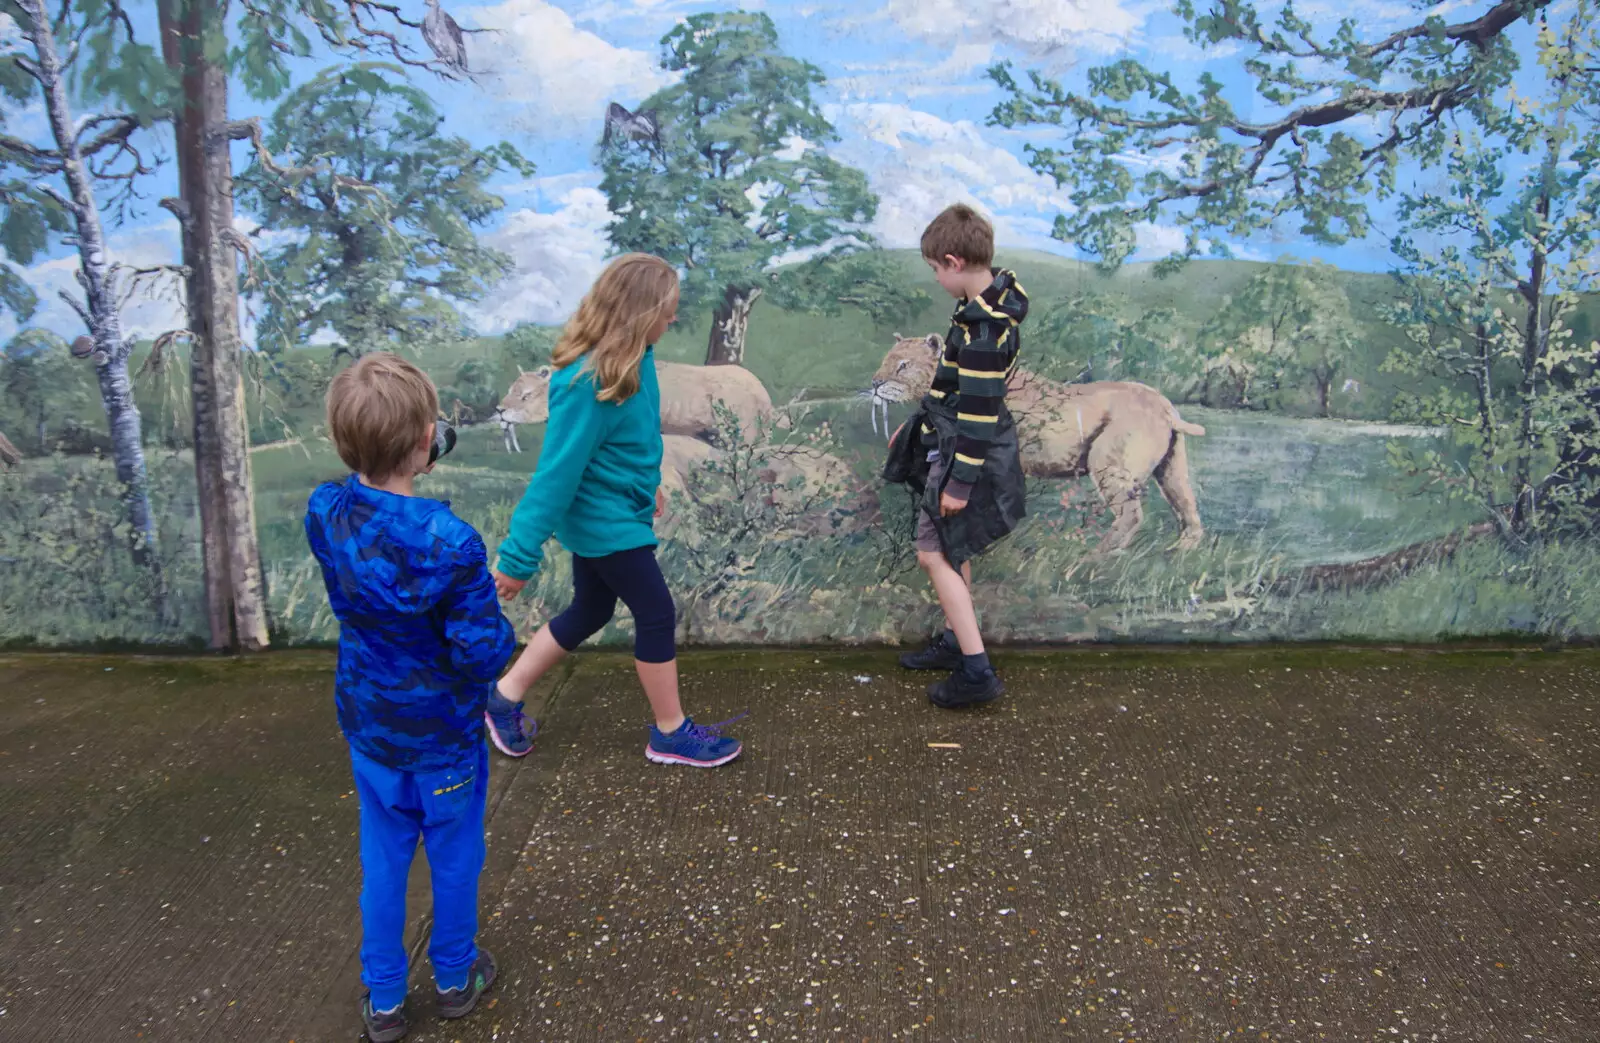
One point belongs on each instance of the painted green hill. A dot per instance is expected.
(823, 355)
(793, 353)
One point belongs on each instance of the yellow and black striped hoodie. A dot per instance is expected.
(979, 354)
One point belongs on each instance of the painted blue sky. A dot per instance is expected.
(907, 91)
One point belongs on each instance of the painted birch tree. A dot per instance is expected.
(90, 163)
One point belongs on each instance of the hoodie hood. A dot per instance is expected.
(1004, 299)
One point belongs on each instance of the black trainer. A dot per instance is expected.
(959, 690)
(458, 1003)
(386, 1027)
(937, 656)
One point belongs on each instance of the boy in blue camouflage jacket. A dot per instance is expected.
(421, 642)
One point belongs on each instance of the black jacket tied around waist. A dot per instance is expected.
(998, 500)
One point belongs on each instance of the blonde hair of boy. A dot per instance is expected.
(378, 413)
(960, 232)
(613, 323)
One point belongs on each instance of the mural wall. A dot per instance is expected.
(1311, 352)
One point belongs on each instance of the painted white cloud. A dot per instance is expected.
(558, 254)
(919, 164)
(551, 77)
(913, 79)
(1052, 30)
(609, 12)
(1153, 241)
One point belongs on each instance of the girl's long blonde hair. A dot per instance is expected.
(613, 323)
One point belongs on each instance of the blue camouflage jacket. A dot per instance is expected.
(421, 635)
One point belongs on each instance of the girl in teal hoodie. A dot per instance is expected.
(597, 489)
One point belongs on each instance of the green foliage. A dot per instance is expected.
(29, 214)
(529, 346)
(64, 530)
(269, 34)
(471, 397)
(752, 499)
(1288, 327)
(114, 65)
(1522, 390)
(385, 205)
(49, 401)
(1139, 147)
(856, 280)
(1088, 337)
(1549, 589)
(739, 181)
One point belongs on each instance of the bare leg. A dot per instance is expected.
(535, 661)
(955, 597)
(660, 681)
(966, 576)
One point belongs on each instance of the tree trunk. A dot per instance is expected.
(98, 278)
(235, 596)
(1524, 507)
(1483, 378)
(730, 325)
(8, 452)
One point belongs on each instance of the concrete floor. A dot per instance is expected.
(1251, 844)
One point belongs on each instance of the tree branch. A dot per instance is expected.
(1479, 32)
(83, 313)
(250, 130)
(55, 196)
(32, 158)
(123, 125)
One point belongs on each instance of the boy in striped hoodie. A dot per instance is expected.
(973, 492)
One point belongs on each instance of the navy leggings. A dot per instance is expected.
(635, 577)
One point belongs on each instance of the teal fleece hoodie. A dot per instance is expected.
(595, 486)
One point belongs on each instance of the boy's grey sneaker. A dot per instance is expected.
(939, 655)
(386, 1027)
(458, 1003)
(960, 690)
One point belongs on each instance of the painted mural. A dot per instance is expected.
(1312, 352)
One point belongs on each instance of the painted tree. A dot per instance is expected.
(44, 391)
(1492, 298)
(205, 44)
(89, 155)
(1092, 336)
(738, 182)
(386, 204)
(863, 281)
(1294, 324)
(1345, 107)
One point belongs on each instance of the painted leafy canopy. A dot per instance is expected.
(740, 181)
(387, 207)
(1346, 106)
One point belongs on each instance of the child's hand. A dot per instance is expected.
(661, 502)
(506, 587)
(949, 505)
